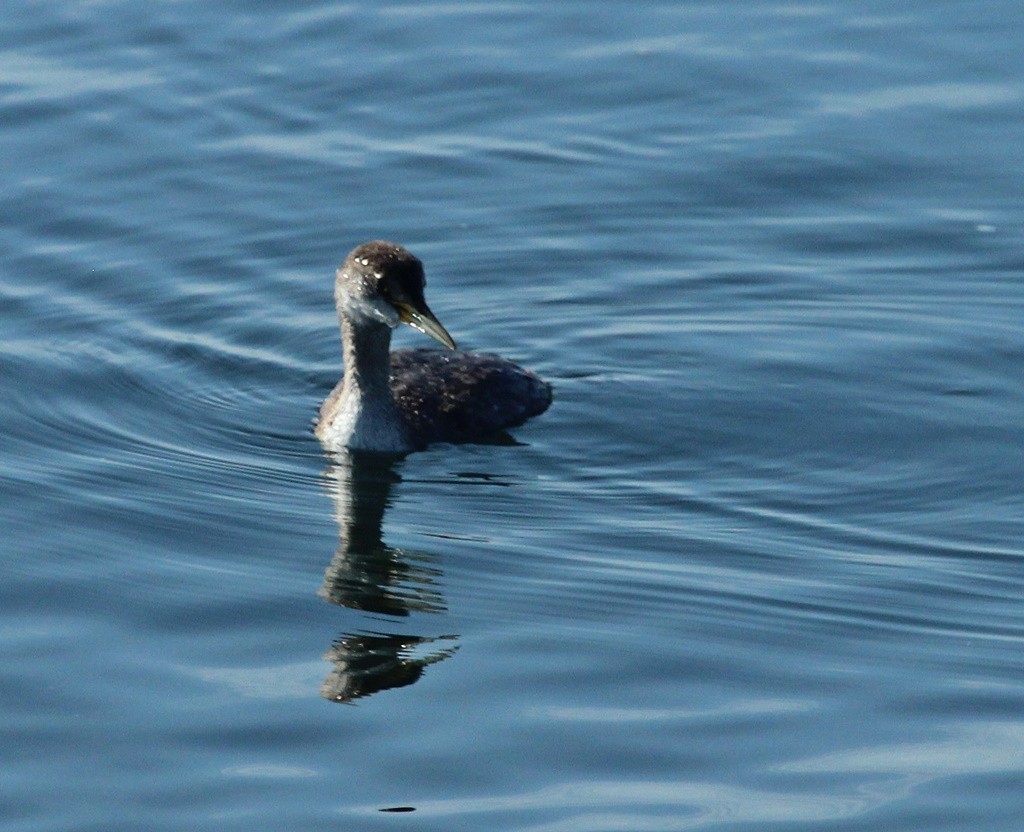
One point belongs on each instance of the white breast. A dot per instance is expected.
(365, 426)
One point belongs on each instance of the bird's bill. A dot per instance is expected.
(423, 320)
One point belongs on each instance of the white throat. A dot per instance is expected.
(365, 416)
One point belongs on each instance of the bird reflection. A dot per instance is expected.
(366, 664)
(366, 574)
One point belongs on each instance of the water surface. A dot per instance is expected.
(757, 568)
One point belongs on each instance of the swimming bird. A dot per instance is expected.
(401, 401)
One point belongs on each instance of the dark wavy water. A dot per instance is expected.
(760, 567)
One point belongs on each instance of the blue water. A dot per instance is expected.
(760, 567)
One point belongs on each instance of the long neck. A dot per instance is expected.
(363, 415)
(366, 346)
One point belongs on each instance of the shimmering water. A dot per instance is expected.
(759, 567)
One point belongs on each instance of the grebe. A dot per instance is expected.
(396, 402)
